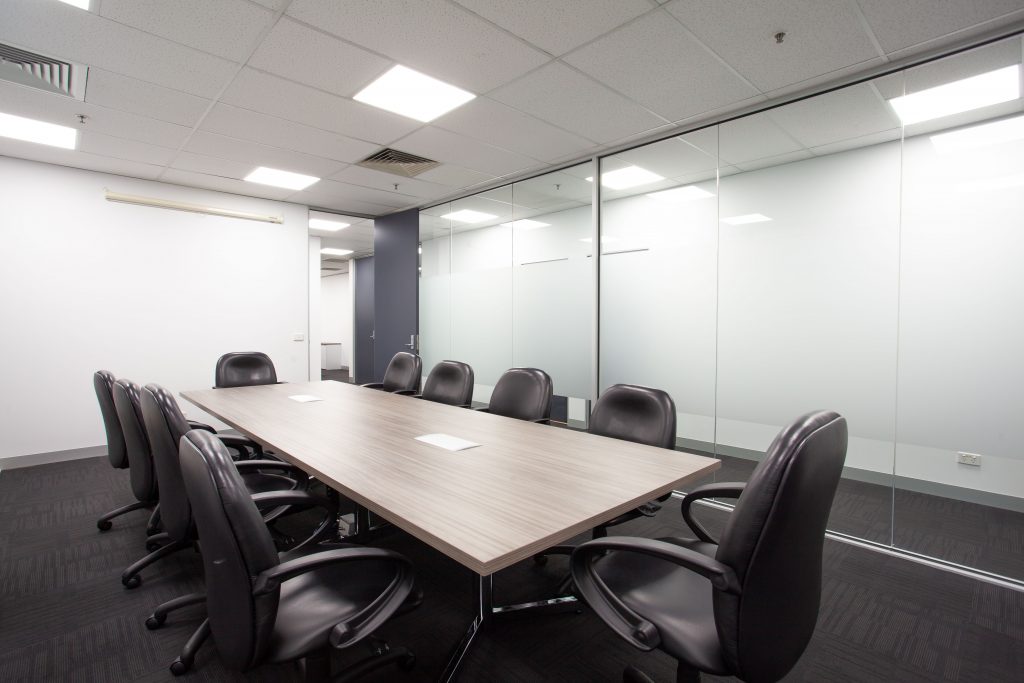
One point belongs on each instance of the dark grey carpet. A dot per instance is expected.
(337, 375)
(65, 617)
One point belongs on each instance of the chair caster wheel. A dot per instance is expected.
(179, 667)
(153, 622)
(131, 581)
(407, 663)
(151, 546)
(540, 560)
(104, 525)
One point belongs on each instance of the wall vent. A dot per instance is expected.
(399, 163)
(42, 72)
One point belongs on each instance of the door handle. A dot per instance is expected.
(412, 342)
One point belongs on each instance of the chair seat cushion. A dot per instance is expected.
(311, 604)
(676, 600)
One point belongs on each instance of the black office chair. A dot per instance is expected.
(744, 606)
(522, 393)
(450, 382)
(403, 374)
(266, 607)
(244, 369)
(117, 451)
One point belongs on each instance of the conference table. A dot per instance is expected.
(524, 487)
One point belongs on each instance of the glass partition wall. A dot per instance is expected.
(858, 251)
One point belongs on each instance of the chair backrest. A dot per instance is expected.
(165, 425)
(140, 457)
(403, 373)
(522, 393)
(244, 369)
(236, 548)
(117, 452)
(449, 382)
(773, 542)
(635, 413)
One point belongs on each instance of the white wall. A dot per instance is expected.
(150, 294)
(336, 314)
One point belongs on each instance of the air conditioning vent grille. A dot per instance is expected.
(399, 163)
(40, 71)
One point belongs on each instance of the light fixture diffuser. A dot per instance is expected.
(328, 225)
(80, 4)
(412, 94)
(469, 216)
(625, 178)
(746, 219)
(1006, 130)
(993, 87)
(525, 224)
(40, 132)
(279, 178)
(331, 251)
(678, 195)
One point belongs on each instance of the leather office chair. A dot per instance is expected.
(266, 607)
(117, 451)
(403, 374)
(746, 605)
(127, 446)
(450, 382)
(244, 369)
(522, 393)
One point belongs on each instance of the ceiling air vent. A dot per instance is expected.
(400, 163)
(41, 72)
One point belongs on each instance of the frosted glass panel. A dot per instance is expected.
(435, 287)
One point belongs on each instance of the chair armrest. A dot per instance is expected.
(246, 465)
(241, 444)
(278, 502)
(194, 424)
(405, 392)
(725, 489)
(634, 628)
(373, 385)
(367, 620)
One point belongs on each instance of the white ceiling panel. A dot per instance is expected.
(765, 162)
(446, 147)
(250, 125)
(498, 124)
(67, 157)
(670, 158)
(212, 182)
(330, 194)
(908, 23)
(558, 26)
(207, 165)
(574, 102)
(455, 176)
(146, 99)
(367, 177)
(820, 37)
(840, 115)
(308, 56)
(226, 28)
(754, 137)
(288, 100)
(247, 151)
(120, 148)
(273, 4)
(656, 62)
(63, 31)
(436, 37)
(857, 143)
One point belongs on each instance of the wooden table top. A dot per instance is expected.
(525, 488)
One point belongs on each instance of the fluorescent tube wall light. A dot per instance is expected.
(410, 93)
(279, 178)
(678, 195)
(331, 251)
(40, 132)
(1001, 85)
(625, 178)
(469, 216)
(328, 225)
(1006, 130)
(746, 219)
(80, 4)
(525, 224)
(183, 206)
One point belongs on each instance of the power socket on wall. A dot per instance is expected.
(972, 459)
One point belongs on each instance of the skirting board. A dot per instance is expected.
(16, 461)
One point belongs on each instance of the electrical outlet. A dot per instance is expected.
(972, 459)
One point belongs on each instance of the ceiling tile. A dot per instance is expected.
(963, 65)
(848, 113)
(130, 150)
(765, 162)
(226, 28)
(670, 158)
(498, 124)
(752, 137)
(367, 177)
(820, 36)
(381, 198)
(446, 147)
(295, 102)
(314, 58)
(138, 97)
(246, 151)
(250, 125)
(570, 100)
(908, 23)
(558, 26)
(200, 163)
(77, 159)
(455, 176)
(67, 32)
(857, 143)
(329, 194)
(809, 84)
(212, 182)
(275, 5)
(436, 37)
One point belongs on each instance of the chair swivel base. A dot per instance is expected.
(104, 523)
(130, 577)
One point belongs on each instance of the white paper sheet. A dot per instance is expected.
(447, 442)
(305, 398)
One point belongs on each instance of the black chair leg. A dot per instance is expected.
(153, 526)
(159, 615)
(635, 675)
(187, 657)
(687, 674)
(382, 656)
(103, 523)
(130, 577)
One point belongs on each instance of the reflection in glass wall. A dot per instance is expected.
(435, 287)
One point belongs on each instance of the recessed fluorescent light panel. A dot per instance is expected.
(625, 178)
(413, 94)
(469, 216)
(81, 4)
(678, 195)
(324, 224)
(984, 135)
(746, 219)
(331, 251)
(30, 130)
(1001, 85)
(279, 178)
(525, 224)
